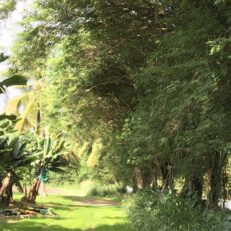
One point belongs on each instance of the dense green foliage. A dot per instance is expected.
(6, 7)
(22, 157)
(139, 89)
(13, 153)
(147, 80)
(157, 211)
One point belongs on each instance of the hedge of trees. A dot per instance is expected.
(140, 88)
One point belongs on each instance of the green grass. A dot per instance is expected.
(72, 216)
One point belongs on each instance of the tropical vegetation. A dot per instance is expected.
(140, 92)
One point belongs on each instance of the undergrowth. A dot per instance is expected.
(155, 211)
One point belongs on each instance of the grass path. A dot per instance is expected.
(75, 213)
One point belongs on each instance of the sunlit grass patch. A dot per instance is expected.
(73, 214)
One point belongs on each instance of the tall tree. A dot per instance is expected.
(148, 78)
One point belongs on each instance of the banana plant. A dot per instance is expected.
(12, 157)
(49, 155)
(30, 117)
(11, 145)
(14, 80)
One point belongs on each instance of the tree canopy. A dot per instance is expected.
(147, 81)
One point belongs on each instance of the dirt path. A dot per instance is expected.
(83, 201)
(53, 191)
(95, 202)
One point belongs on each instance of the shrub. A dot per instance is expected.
(103, 190)
(155, 211)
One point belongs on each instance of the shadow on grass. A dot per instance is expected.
(117, 227)
(91, 201)
(59, 206)
(33, 226)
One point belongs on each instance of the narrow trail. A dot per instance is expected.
(84, 201)
(95, 202)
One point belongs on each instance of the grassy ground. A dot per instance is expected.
(75, 213)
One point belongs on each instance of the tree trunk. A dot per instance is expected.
(154, 181)
(215, 181)
(143, 177)
(197, 186)
(147, 177)
(6, 191)
(34, 190)
(139, 179)
(25, 190)
(167, 175)
(9, 193)
(193, 184)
